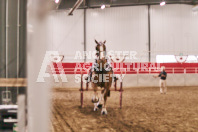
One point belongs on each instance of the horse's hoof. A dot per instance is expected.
(95, 109)
(95, 100)
(99, 106)
(104, 113)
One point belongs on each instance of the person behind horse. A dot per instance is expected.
(163, 76)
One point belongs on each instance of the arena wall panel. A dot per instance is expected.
(124, 28)
(141, 80)
(146, 80)
(65, 33)
(191, 79)
(174, 30)
(176, 80)
(70, 84)
(178, 74)
(130, 80)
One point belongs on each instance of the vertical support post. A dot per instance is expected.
(81, 90)
(81, 99)
(21, 113)
(87, 85)
(7, 28)
(121, 90)
(85, 41)
(61, 83)
(3, 39)
(18, 41)
(149, 34)
(121, 95)
(115, 85)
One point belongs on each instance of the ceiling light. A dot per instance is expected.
(103, 6)
(56, 1)
(162, 3)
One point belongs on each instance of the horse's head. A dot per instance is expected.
(100, 49)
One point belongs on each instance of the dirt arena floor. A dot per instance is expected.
(144, 110)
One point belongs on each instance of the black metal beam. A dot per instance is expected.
(22, 40)
(2, 43)
(2, 38)
(136, 3)
(87, 3)
(113, 5)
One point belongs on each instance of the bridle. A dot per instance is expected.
(101, 52)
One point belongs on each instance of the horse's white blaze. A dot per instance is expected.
(101, 48)
(102, 55)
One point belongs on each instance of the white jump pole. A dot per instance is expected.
(38, 92)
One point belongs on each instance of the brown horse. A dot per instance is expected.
(101, 77)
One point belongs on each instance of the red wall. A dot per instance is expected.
(131, 68)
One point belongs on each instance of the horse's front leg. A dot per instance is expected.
(95, 98)
(104, 110)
